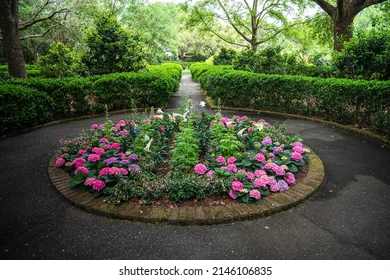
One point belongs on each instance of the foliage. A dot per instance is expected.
(112, 49)
(23, 107)
(59, 61)
(271, 60)
(225, 56)
(182, 187)
(186, 152)
(341, 100)
(129, 159)
(74, 96)
(366, 56)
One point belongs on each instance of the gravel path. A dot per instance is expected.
(349, 218)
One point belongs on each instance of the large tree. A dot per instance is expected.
(11, 27)
(254, 21)
(342, 14)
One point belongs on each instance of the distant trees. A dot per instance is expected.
(254, 21)
(11, 27)
(342, 15)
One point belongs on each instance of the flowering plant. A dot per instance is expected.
(184, 157)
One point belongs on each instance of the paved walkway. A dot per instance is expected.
(348, 218)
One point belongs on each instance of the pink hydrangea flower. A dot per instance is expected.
(81, 152)
(224, 120)
(220, 159)
(93, 157)
(298, 149)
(269, 165)
(274, 187)
(232, 168)
(200, 169)
(232, 195)
(59, 162)
(261, 182)
(255, 194)
(250, 176)
(231, 160)
(297, 143)
(290, 178)
(296, 156)
(77, 162)
(260, 157)
(272, 181)
(210, 173)
(98, 151)
(83, 170)
(98, 185)
(267, 141)
(278, 170)
(260, 172)
(115, 146)
(120, 123)
(237, 186)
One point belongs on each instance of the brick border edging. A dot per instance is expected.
(200, 215)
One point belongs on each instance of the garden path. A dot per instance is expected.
(349, 217)
(188, 90)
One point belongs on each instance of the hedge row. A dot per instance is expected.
(28, 102)
(357, 102)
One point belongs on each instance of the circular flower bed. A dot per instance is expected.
(182, 158)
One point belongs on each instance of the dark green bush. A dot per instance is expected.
(225, 57)
(366, 56)
(22, 107)
(345, 101)
(182, 187)
(113, 49)
(74, 96)
(271, 61)
(59, 61)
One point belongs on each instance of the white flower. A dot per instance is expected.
(202, 104)
(147, 147)
(159, 111)
(241, 132)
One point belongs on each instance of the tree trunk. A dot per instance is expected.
(342, 31)
(10, 32)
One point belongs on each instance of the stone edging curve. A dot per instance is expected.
(186, 215)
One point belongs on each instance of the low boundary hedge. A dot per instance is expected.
(356, 102)
(28, 102)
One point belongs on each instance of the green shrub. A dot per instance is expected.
(186, 152)
(366, 56)
(112, 49)
(271, 60)
(21, 107)
(225, 57)
(340, 100)
(74, 96)
(182, 187)
(59, 61)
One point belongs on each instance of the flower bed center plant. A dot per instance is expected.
(175, 158)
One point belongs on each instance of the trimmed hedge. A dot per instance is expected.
(21, 107)
(75, 96)
(357, 102)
